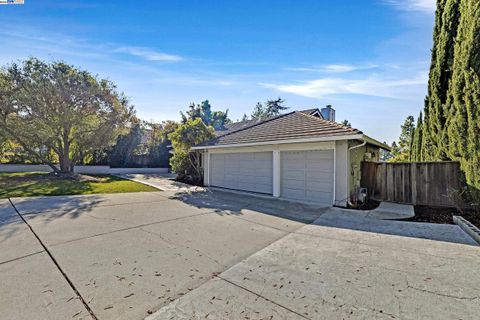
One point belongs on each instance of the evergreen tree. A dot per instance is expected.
(258, 111)
(446, 22)
(416, 143)
(451, 124)
(463, 104)
(216, 119)
(405, 139)
(275, 107)
(271, 108)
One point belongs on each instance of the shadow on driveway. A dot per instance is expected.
(224, 202)
(346, 219)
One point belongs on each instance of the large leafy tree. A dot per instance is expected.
(216, 119)
(122, 152)
(185, 162)
(158, 148)
(59, 107)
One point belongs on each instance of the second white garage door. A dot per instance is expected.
(307, 176)
(249, 171)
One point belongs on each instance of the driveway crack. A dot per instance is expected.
(442, 294)
(87, 307)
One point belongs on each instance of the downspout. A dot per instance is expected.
(364, 143)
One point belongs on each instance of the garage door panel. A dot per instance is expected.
(261, 172)
(307, 175)
(323, 186)
(263, 156)
(293, 174)
(322, 197)
(297, 194)
(319, 175)
(294, 163)
(293, 155)
(244, 156)
(319, 165)
(318, 156)
(263, 181)
(263, 189)
(263, 164)
(250, 171)
(294, 184)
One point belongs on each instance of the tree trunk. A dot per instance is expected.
(65, 166)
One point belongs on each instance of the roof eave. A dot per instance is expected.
(376, 143)
(286, 141)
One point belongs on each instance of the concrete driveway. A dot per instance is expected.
(183, 254)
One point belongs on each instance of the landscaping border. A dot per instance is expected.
(468, 227)
(80, 169)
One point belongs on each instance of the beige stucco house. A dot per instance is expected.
(298, 156)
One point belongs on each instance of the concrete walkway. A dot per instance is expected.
(392, 211)
(180, 254)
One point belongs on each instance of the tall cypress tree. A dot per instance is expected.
(463, 104)
(446, 23)
(417, 141)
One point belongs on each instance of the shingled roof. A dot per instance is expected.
(235, 126)
(293, 125)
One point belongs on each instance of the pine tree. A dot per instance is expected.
(405, 139)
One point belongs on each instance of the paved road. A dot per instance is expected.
(181, 254)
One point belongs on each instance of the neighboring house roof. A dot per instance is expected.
(313, 112)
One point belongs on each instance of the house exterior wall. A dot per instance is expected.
(357, 155)
(341, 173)
(340, 148)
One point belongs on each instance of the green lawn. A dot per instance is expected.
(26, 184)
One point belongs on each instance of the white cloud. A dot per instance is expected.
(333, 68)
(427, 6)
(148, 54)
(371, 86)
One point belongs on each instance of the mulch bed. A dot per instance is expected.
(443, 215)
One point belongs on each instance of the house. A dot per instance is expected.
(298, 156)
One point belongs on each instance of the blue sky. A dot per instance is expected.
(369, 59)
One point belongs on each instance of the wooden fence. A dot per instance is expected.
(422, 183)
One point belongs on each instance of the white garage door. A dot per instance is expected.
(250, 171)
(307, 176)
